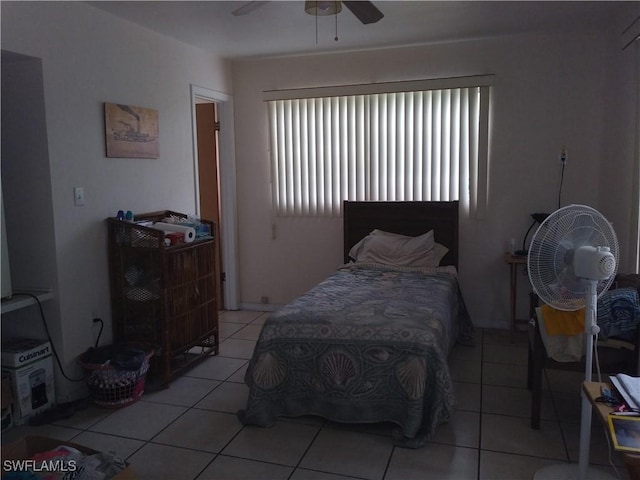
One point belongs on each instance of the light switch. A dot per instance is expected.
(78, 196)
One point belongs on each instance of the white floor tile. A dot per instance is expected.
(238, 316)
(162, 462)
(238, 377)
(349, 453)
(463, 430)
(83, 419)
(228, 397)
(504, 375)
(468, 396)
(505, 354)
(504, 337)
(217, 368)
(384, 429)
(142, 420)
(465, 370)
(250, 332)
(442, 462)
(184, 391)
(501, 433)
(305, 474)
(499, 466)
(123, 447)
(514, 402)
(466, 353)
(261, 319)
(568, 406)
(49, 430)
(229, 328)
(201, 430)
(237, 348)
(565, 381)
(284, 443)
(229, 468)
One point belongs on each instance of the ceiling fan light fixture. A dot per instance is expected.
(322, 8)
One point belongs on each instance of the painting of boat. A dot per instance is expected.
(131, 132)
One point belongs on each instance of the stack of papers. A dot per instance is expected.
(629, 389)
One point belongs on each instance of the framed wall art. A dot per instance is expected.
(131, 132)
(625, 432)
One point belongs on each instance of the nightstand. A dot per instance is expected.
(514, 260)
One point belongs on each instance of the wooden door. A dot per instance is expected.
(208, 176)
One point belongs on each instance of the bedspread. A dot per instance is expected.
(368, 344)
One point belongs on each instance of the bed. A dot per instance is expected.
(369, 343)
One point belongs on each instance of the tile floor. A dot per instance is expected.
(190, 431)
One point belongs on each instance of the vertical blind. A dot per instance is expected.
(415, 145)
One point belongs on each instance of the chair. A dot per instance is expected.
(616, 357)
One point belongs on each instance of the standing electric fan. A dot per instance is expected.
(572, 261)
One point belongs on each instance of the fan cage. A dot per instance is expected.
(550, 259)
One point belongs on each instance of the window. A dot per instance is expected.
(407, 141)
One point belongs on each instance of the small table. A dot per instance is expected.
(592, 391)
(514, 260)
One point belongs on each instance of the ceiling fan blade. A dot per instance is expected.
(366, 12)
(247, 8)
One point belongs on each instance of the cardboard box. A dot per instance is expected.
(6, 419)
(5, 392)
(31, 445)
(6, 403)
(29, 364)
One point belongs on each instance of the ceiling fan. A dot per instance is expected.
(364, 11)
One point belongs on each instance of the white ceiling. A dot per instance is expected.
(283, 27)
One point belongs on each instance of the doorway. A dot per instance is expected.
(208, 183)
(215, 184)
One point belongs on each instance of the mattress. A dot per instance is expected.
(368, 344)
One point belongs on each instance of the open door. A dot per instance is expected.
(207, 128)
(223, 188)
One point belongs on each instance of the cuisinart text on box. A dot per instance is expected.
(28, 362)
(17, 352)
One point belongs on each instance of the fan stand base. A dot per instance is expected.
(569, 471)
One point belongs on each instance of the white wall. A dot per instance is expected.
(90, 57)
(620, 153)
(549, 92)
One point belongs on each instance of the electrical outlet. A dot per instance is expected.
(78, 196)
(564, 156)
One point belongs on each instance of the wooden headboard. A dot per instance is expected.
(406, 218)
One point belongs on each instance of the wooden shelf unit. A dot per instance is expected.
(163, 295)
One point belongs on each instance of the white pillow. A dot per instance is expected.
(396, 249)
(439, 250)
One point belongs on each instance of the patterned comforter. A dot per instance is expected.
(368, 344)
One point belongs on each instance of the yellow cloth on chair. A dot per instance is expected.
(560, 322)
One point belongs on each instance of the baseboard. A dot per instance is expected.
(260, 307)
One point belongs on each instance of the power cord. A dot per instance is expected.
(98, 320)
(596, 357)
(610, 452)
(563, 160)
(46, 329)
